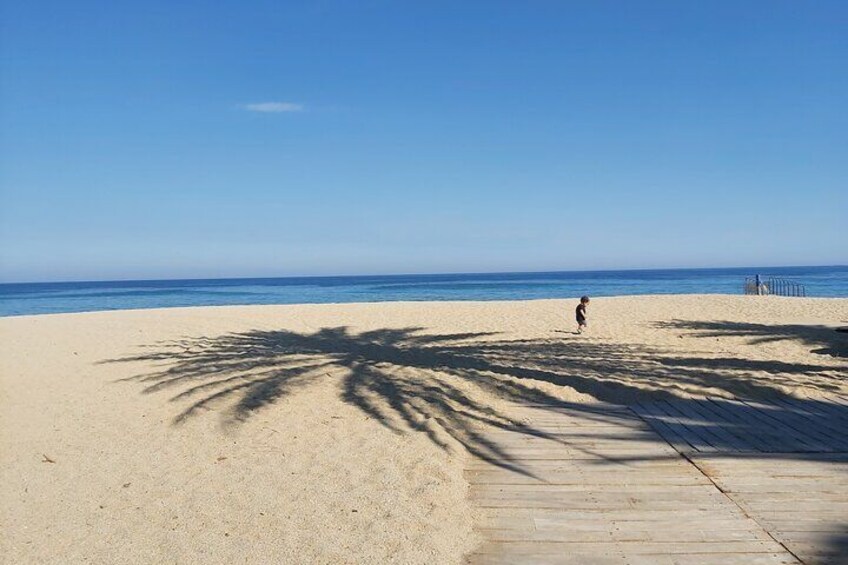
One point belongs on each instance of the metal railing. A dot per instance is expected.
(773, 286)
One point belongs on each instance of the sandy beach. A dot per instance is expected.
(338, 433)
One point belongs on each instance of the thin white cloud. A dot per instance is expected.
(274, 107)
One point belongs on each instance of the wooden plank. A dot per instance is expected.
(584, 479)
(832, 500)
(616, 447)
(732, 429)
(586, 421)
(795, 420)
(785, 420)
(759, 507)
(588, 434)
(819, 410)
(585, 417)
(561, 448)
(596, 455)
(822, 526)
(662, 488)
(587, 412)
(631, 548)
(783, 466)
(566, 495)
(622, 558)
(761, 436)
(571, 424)
(820, 537)
(652, 417)
(779, 461)
(738, 435)
(674, 420)
(822, 408)
(818, 554)
(833, 429)
(576, 535)
(662, 464)
(560, 501)
(601, 468)
(516, 440)
(801, 478)
(714, 521)
(753, 439)
(551, 428)
(570, 494)
(682, 514)
(566, 405)
(819, 490)
(505, 521)
(790, 438)
(745, 471)
(578, 418)
(714, 432)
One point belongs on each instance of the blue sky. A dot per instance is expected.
(215, 139)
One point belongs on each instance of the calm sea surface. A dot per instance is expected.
(44, 298)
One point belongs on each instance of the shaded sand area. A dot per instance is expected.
(340, 433)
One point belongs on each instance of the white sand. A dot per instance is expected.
(337, 433)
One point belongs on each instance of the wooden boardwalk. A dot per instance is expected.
(721, 426)
(698, 482)
(803, 504)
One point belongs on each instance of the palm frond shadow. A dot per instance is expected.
(401, 378)
(442, 385)
(835, 546)
(825, 340)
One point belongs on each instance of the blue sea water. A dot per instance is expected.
(43, 298)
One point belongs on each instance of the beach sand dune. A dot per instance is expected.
(338, 433)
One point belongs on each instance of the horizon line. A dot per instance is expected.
(456, 273)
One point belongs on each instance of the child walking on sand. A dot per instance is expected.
(581, 314)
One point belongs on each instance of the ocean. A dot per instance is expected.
(48, 298)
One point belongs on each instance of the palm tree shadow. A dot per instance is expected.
(402, 378)
(825, 340)
(836, 547)
(444, 386)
